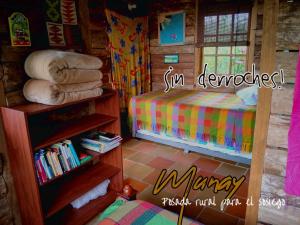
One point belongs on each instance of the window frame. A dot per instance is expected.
(231, 55)
(211, 8)
(218, 9)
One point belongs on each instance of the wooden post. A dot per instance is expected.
(268, 53)
(251, 51)
(197, 52)
(84, 18)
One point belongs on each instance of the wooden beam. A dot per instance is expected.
(84, 23)
(251, 49)
(198, 50)
(268, 53)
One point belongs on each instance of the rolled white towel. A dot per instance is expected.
(45, 92)
(63, 67)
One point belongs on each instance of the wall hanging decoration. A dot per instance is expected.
(68, 12)
(171, 28)
(19, 30)
(62, 25)
(56, 34)
(53, 11)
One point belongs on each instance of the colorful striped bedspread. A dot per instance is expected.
(218, 118)
(139, 213)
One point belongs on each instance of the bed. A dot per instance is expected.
(217, 124)
(137, 213)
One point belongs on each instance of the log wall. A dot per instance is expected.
(277, 142)
(12, 79)
(186, 51)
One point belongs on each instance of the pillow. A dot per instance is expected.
(248, 95)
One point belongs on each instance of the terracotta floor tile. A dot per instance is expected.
(205, 173)
(152, 177)
(148, 196)
(145, 146)
(237, 210)
(131, 143)
(187, 158)
(141, 157)
(243, 190)
(192, 211)
(226, 161)
(127, 164)
(144, 160)
(166, 151)
(136, 184)
(227, 169)
(208, 193)
(160, 163)
(179, 191)
(180, 167)
(207, 164)
(244, 165)
(127, 152)
(138, 171)
(211, 216)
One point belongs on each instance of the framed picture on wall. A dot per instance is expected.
(171, 28)
(19, 29)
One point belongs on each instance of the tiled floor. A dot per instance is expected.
(143, 162)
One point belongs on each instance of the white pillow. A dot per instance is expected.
(248, 95)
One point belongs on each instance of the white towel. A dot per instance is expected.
(63, 67)
(45, 92)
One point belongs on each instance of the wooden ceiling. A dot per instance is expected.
(121, 6)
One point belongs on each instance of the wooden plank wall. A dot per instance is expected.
(12, 79)
(93, 27)
(186, 51)
(288, 33)
(12, 58)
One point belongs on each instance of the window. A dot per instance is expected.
(223, 36)
(225, 59)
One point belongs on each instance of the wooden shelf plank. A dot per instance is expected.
(36, 108)
(76, 186)
(71, 216)
(75, 127)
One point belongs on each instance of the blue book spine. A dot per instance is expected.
(44, 164)
(69, 143)
(69, 154)
(51, 173)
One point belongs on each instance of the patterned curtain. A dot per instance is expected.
(128, 41)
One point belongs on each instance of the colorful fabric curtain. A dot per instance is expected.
(292, 181)
(128, 41)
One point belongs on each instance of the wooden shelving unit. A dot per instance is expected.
(49, 203)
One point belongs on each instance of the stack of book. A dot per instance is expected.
(101, 141)
(55, 161)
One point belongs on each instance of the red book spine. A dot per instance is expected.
(42, 171)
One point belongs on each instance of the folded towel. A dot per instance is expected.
(45, 92)
(63, 67)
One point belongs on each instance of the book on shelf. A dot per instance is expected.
(56, 160)
(101, 142)
(83, 157)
